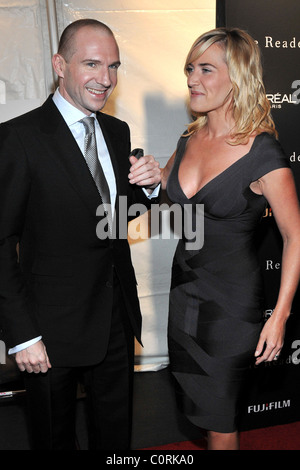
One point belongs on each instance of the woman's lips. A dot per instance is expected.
(196, 93)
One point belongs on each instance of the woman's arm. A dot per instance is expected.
(278, 187)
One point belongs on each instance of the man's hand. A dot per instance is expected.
(144, 172)
(33, 359)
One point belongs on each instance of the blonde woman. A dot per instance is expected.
(229, 159)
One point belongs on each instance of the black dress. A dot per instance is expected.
(215, 310)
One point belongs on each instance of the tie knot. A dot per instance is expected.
(89, 124)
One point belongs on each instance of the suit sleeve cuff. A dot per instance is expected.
(154, 193)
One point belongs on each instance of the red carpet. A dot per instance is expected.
(283, 437)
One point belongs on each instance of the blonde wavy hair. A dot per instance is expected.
(250, 106)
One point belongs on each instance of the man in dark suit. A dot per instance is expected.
(68, 299)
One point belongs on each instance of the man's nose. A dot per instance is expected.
(103, 77)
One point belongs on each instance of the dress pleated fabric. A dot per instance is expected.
(216, 297)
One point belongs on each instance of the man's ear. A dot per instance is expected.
(58, 63)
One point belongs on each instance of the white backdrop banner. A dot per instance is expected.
(25, 58)
(154, 38)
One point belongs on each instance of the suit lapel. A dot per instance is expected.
(65, 151)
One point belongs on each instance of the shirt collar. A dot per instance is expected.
(69, 112)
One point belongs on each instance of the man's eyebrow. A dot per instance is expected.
(97, 61)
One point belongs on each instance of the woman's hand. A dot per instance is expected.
(271, 339)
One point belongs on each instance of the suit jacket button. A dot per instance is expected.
(108, 284)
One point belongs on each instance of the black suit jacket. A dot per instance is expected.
(62, 286)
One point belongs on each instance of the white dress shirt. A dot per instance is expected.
(72, 116)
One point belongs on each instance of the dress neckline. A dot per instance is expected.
(222, 173)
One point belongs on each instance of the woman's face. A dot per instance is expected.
(208, 81)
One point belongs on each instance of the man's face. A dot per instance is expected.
(88, 78)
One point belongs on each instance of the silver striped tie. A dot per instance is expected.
(92, 160)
